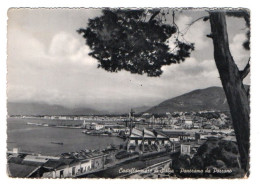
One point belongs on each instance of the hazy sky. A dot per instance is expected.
(48, 62)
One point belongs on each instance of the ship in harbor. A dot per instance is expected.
(59, 143)
(38, 124)
(97, 133)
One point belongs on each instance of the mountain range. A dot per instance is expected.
(212, 98)
(15, 108)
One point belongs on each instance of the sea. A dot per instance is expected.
(38, 139)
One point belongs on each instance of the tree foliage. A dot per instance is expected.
(213, 154)
(133, 40)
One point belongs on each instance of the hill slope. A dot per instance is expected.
(141, 109)
(212, 98)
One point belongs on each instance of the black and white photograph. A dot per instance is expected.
(128, 93)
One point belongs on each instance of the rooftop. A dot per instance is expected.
(20, 170)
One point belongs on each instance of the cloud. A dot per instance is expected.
(22, 45)
(238, 52)
(65, 74)
(64, 44)
(190, 68)
(196, 33)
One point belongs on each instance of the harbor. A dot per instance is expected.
(37, 139)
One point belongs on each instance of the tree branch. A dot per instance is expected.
(210, 35)
(173, 21)
(248, 92)
(246, 70)
(154, 14)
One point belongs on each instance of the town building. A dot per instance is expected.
(146, 140)
(185, 149)
(94, 126)
(67, 168)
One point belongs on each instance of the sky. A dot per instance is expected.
(48, 62)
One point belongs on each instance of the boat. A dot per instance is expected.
(59, 143)
(97, 133)
(85, 132)
(38, 124)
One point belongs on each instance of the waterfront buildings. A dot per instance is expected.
(146, 140)
(64, 166)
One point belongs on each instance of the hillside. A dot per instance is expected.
(141, 109)
(212, 98)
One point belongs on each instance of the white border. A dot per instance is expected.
(255, 131)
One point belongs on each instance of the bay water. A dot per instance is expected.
(39, 139)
